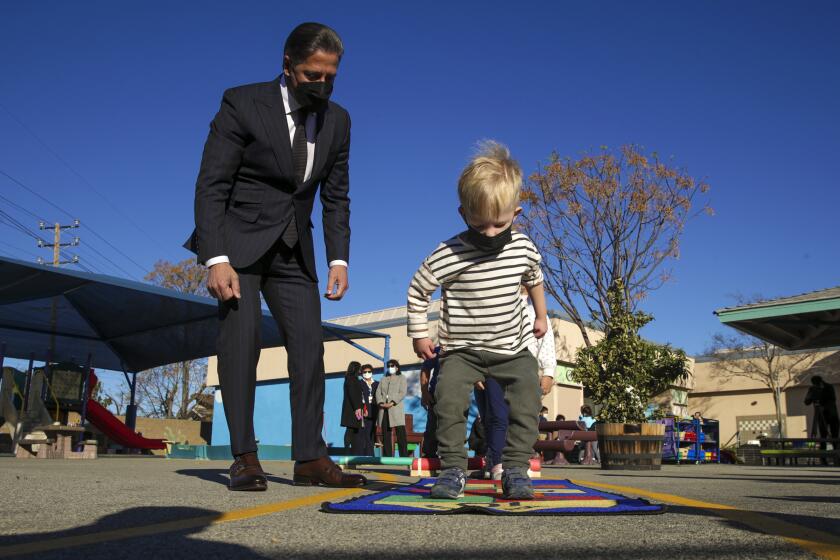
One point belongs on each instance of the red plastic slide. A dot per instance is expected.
(115, 430)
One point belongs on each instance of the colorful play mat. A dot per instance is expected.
(552, 497)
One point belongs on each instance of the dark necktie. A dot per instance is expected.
(299, 155)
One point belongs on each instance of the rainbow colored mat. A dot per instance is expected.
(553, 497)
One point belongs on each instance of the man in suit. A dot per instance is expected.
(270, 147)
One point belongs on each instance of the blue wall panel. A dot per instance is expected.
(272, 412)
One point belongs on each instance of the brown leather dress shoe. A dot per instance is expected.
(246, 474)
(323, 472)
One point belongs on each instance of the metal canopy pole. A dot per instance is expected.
(85, 384)
(387, 338)
(28, 383)
(131, 409)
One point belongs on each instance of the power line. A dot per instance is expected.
(12, 222)
(66, 213)
(22, 209)
(81, 178)
(86, 245)
(19, 250)
(115, 265)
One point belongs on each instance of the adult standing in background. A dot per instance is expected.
(389, 397)
(271, 146)
(826, 421)
(352, 418)
(368, 432)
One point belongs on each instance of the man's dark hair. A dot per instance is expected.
(367, 366)
(586, 409)
(309, 37)
(394, 363)
(817, 380)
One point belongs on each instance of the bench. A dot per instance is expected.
(414, 439)
(568, 434)
(788, 451)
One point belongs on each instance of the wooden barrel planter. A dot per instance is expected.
(630, 446)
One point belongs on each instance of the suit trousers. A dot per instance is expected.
(294, 302)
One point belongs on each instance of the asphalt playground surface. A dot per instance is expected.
(151, 508)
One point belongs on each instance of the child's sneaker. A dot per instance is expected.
(450, 484)
(516, 484)
(496, 472)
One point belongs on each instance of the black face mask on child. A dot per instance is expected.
(485, 243)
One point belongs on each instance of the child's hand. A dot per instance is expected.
(540, 327)
(424, 348)
(546, 383)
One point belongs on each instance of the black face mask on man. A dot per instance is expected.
(481, 241)
(313, 95)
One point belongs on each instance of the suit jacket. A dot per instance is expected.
(246, 189)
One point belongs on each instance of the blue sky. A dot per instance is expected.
(745, 95)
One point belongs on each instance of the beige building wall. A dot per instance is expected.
(725, 397)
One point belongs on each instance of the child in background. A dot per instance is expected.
(484, 329)
(586, 416)
(428, 380)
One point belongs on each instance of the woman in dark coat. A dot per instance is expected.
(351, 407)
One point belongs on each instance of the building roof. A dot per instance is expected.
(810, 320)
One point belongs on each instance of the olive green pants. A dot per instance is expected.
(458, 373)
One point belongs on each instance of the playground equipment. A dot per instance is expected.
(115, 430)
(36, 406)
(21, 406)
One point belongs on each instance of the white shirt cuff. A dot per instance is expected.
(548, 373)
(338, 262)
(216, 260)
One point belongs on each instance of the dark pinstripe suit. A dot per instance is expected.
(245, 194)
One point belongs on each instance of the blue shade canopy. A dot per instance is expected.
(64, 315)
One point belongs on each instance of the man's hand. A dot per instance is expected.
(424, 348)
(540, 327)
(546, 383)
(426, 399)
(358, 414)
(223, 282)
(479, 385)
(337, 283)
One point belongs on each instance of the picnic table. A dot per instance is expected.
(57, 443)
(788, 451)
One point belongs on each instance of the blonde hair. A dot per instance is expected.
(490, 183)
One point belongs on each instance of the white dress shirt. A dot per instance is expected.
(290, 105)
(542, 348)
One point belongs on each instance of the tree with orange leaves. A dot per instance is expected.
(613, 215)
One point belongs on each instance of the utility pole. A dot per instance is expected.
(57, 244)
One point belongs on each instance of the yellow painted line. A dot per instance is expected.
(824, 545)
(169, 526)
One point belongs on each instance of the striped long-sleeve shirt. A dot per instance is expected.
(480, 308)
